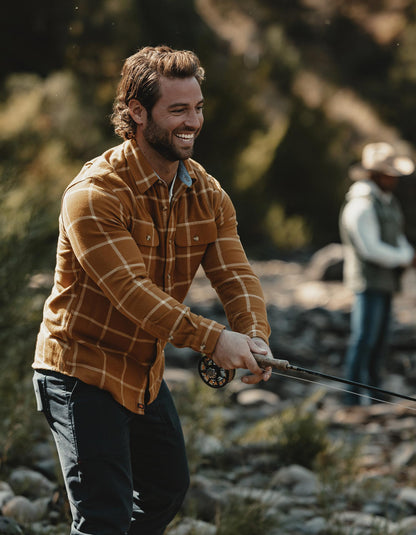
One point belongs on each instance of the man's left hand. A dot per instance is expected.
(258, 345)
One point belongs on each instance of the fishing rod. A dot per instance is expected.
(217, 377)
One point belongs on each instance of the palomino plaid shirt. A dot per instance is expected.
(126, 258)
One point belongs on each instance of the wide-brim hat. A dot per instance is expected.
(383, 158)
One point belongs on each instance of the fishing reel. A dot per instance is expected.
(217, 377)
(212, 374)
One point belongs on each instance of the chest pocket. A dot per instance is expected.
(196, 234)
(145, 234)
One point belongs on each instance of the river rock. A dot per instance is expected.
(6, 493)
(24, 511)
(8, 526)
(30, 483)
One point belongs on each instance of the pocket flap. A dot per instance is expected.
(146, 234)
(196, 234)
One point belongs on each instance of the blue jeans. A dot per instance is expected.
(124, 473)
(370, 329)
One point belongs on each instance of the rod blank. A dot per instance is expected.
(284, 365)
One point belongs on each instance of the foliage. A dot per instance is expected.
(279, 132)
(21, 253)
(295, 434)
(338, 469)
(244, 516)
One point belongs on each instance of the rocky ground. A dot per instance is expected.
(373, 492)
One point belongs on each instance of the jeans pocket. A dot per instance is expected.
(52, 391)
(42, 400)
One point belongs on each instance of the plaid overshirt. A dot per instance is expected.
(126, 258)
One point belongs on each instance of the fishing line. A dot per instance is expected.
(344, 390)
(217, 377)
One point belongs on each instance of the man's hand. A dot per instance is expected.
(235, 350)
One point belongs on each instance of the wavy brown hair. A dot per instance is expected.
(140, 80)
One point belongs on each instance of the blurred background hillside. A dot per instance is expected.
(294, 89)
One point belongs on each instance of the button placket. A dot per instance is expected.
(170, 245)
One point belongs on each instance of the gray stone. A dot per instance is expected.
(316, 526)
(295, 476)
(8, 526)
(257, 396)
(408, 495)
(30, 483)
(6, 493)
(408, 525)
(24, 511)
(327, 263)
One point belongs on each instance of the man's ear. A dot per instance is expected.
(137, 111)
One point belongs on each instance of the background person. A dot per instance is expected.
(135, 225)
(375, 253)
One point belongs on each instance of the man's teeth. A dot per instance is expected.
(185, 136)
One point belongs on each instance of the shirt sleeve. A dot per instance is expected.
(231, 275)
(97, 225)
(361, 222)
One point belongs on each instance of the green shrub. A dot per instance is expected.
(296, 435)
(244, 516)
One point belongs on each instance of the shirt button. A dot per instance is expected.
(169, 276)
(140, 405)
(196, 238)
(148, 237)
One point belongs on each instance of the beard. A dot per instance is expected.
(161, 140)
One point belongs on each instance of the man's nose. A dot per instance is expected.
(194, 119)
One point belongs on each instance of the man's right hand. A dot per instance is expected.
(235, 350)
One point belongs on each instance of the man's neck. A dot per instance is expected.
(165, 169)
(382, 194)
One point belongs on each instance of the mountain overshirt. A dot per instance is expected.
(126, 258)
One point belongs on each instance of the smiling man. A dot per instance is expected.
(167, 132)
(135, 225)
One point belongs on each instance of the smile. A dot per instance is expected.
(186, 137)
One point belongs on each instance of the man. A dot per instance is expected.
(135, 225)
(376, 251)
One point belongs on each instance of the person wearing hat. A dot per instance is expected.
(375, 253)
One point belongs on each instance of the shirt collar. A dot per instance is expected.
(142, 172)
(385, 196)
(183, 174)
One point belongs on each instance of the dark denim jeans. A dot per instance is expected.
(124, 473)
(370, 330)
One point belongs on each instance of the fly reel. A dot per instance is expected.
(212, 374)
